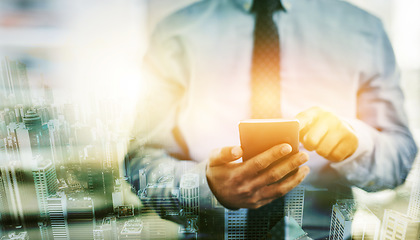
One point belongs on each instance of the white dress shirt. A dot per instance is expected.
(333, 55)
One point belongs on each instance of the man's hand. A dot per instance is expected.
(253, 183)
(327, 134)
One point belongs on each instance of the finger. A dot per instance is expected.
(264, 159)
(224, 155)
(344, 149)
(316, 133)
(278, 170)
(307, 116)
(329, 142)
(280, 189)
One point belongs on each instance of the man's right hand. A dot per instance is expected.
(253, 183)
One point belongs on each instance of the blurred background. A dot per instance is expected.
(76, 67)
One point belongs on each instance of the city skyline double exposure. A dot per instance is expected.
(71, 76)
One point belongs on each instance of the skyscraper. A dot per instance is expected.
(57, 214)
(57, 145)
(294, 202)
(235, 224)
(167, 207)
(396, 225)
(46, 184)
(38, 134)
(24, 144)
(11, 194)
(80, 217)
(189, 194)
(341, 219)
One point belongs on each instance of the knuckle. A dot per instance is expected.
(335, 156)
(254, 200)
(311, 140)
(258, 163)
(293, 164)
(245, 191)
(275, 153)
(322, 152)
(274, 176)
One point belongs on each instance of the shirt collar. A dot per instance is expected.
(247, 4)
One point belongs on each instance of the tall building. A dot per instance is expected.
(80, 217)
(57, 145)
(57, 214)
(46, 184)
(115, 151)
(24, 144)
(351, 221)
(235, 224)
(398, 226)
(293, 204)
(38, 134)
(14, 85)
(189, 195)
(11, 194)
(341, 219)
(240, 224)
(167, 207)
(100, 186)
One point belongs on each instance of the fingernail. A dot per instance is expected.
(303, 158)
(286, 149)
(236, 152)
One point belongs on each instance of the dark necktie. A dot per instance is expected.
(265, 71)
(265, 100)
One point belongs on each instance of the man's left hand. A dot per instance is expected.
(327, 134)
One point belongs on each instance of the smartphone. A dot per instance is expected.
(259, 135)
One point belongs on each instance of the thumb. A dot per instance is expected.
(224, 155)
